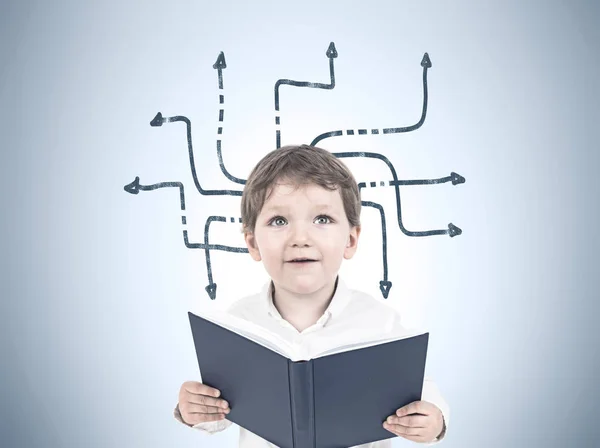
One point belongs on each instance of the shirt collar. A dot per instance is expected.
(340, 299)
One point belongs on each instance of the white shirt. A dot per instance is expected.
(352, 316)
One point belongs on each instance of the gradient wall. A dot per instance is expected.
(96, 283)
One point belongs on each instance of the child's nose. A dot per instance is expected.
(300, 235)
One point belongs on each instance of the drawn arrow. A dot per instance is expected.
(219, 66)
(331, 54)
(452, 229)
(135, 187)
(454, 178)
(158, 121)
(426, 64)
(211, 288)
(384, 285)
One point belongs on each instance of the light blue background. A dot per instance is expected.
(96, 283)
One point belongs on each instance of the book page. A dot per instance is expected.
(248, 330)
(364, 344)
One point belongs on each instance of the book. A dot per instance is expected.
(338, 398)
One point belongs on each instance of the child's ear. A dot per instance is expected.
(252, 245)
(352, 243)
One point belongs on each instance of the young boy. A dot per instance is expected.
(301, 217)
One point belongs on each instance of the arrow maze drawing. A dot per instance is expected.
(220, 65)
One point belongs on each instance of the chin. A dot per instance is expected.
(304, 285)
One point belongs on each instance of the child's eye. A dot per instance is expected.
(278, 221)
(320, 219)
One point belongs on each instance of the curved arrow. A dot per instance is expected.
(211, 288)
(426, 64)
(135, 187)
(331, 54)
(384, 285)
(158, 121)
(220, 65)
(452, 229)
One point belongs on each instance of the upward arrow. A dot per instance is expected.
(220, 62)
(426, 62)
(331, 51)
(219, 66)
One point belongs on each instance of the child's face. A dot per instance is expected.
(304, 222)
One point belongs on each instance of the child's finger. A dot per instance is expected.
(403, 431)
(208, 401)
(410, 421)
(193, 408)
(416, 407)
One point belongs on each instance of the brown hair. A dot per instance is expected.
(299, 165)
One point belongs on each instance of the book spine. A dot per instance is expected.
(302, 403)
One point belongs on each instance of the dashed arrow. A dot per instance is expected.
(426, 64)
(452, 229)
(219, 66)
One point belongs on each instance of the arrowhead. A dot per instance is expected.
(426, 62)
(457, 178)
(212, 291)
(331, 51)
(385, 286)
(133, 187)
(220, 62)
(453, 230)
(157, 121)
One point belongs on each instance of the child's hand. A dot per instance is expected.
(423, 427)
(199, 403)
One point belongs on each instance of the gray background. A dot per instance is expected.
(96, 283)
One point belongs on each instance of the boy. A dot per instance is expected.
(300, 217)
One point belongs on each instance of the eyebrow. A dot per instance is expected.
(283, 208)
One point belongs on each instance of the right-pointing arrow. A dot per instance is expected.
(457, 178)
(453, 230)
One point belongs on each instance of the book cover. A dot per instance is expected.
(336, 399)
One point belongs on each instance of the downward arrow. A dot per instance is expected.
(212, 290)
(384, 286)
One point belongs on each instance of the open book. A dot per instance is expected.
(276, 343)
(338, 398)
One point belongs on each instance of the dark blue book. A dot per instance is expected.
(335, 400)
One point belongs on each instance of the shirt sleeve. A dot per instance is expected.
(432, 395)
(206, 427)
